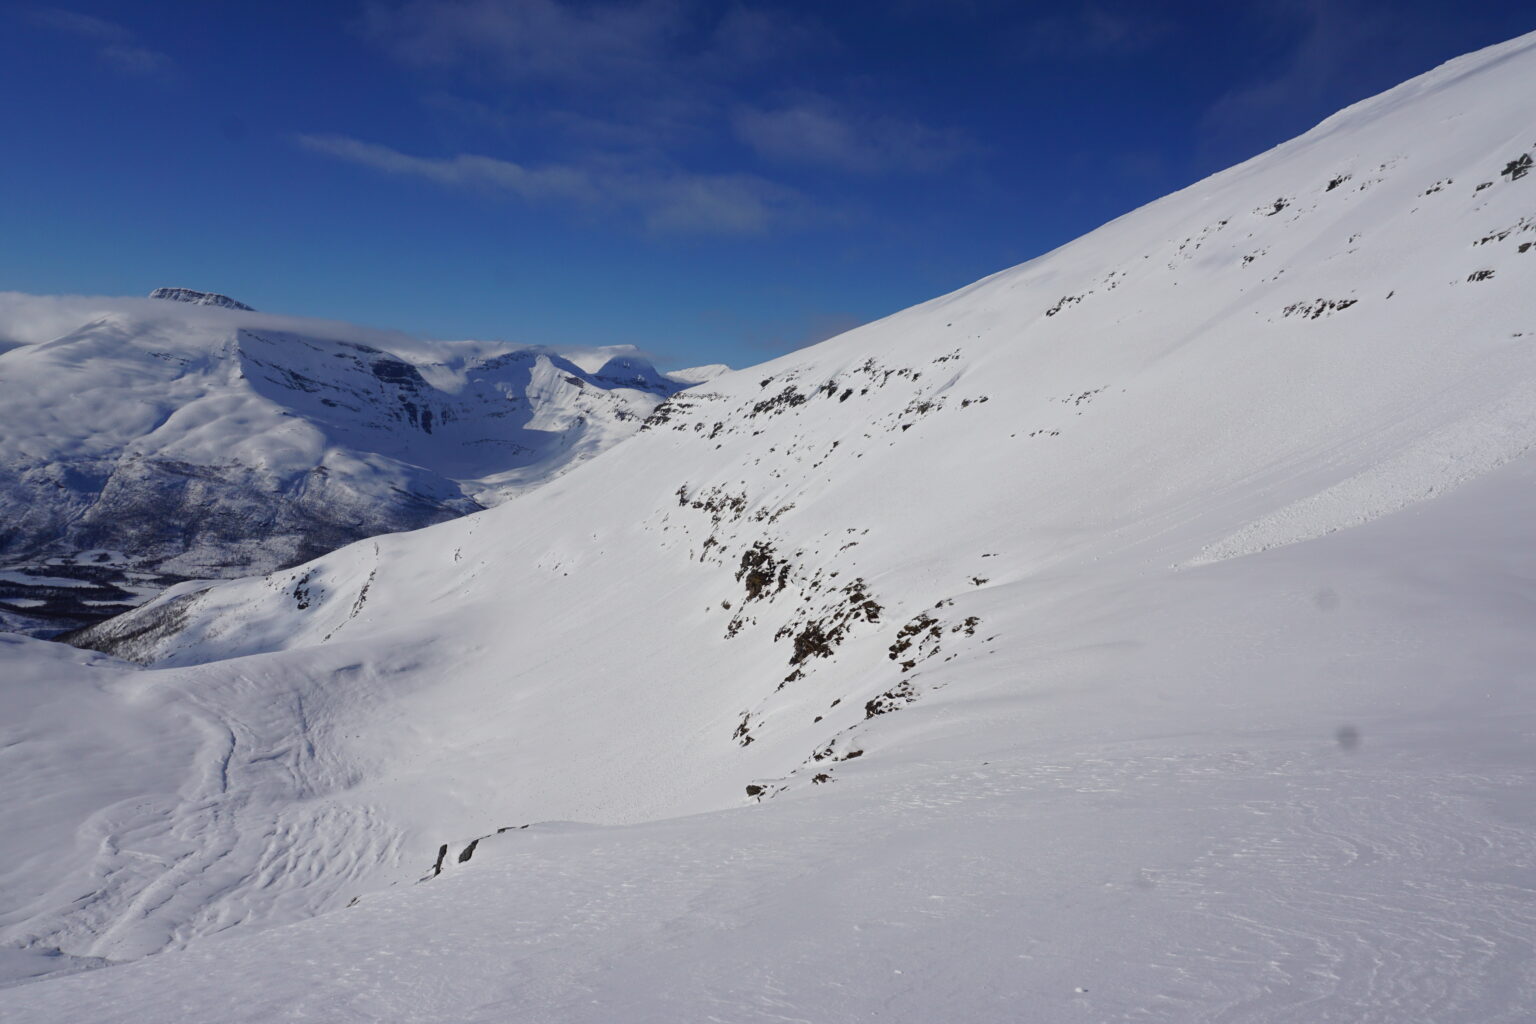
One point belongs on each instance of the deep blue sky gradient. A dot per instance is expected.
(708, 181)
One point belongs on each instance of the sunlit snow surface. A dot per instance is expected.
(1102, 642)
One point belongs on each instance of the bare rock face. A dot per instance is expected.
(199, 298)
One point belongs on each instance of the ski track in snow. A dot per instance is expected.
(1386, 893)
(173, 869)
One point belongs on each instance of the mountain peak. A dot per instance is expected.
(199, 298)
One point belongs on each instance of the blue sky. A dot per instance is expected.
(708, 181)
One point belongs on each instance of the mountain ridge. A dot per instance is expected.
(198, 298)
(147, 450)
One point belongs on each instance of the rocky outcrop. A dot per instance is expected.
(197, 298)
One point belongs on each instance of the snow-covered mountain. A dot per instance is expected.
(1142, 633)
(158, 443)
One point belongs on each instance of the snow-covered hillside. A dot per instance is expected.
(1140, 634)
(161, 442)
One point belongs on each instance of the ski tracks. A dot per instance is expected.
(261, 832)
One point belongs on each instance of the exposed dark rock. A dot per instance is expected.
(760, 571)
(786, 399)
(1317, 307)
(894, 699)
(199, 298)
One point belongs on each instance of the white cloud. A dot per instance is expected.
(114, 44)
(1096, 29)
(464, 170)
(664, 199)
(649, 43)
(815, 132)
(621, 97)
(533, 39)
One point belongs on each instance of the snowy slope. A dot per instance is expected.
(1141, 633)
(155, 444)
(699, 374)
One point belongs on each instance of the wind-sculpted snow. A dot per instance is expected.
(141, 451)
(1139, 634)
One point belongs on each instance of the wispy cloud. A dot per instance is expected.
(467, 171)
(1095, 29)
(535, 39)
(642, 105)
(816, 132)
(647, 42)
(665, 200)
(114, 44)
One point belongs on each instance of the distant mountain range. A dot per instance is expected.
(195, 438)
